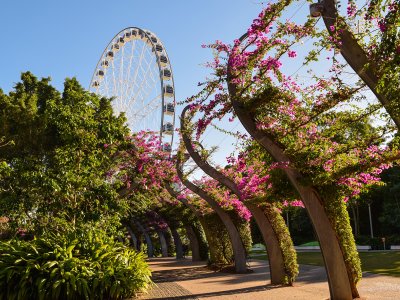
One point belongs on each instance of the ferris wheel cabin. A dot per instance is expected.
(110, 55)
(159, 48)
(168, 128)
(120, 41)
(169, 109)
(163, 60)
(115, 47)
(168, 91)
(167, 147)
(166, 74)
(104, 63)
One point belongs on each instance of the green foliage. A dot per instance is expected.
(339, 218)
(300, 225)
(256, 235)
(53, 161)
(390, 195)
(285, 242)
(81, 264)
(385, 209)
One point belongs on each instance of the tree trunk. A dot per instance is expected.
(149, 243)
(275, 257)
(341, 283)
(276, 265)
(355, 55)
(194, 243)
(196, 213)
(140, 242)
(178, 243)
(163, 243)
(133, 237)
(239, 251)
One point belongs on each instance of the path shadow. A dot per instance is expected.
(182, 274)
(236, 292)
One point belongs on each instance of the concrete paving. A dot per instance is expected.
(183, 279)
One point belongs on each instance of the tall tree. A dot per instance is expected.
(56, 164)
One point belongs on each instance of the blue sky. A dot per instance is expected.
(66, 38)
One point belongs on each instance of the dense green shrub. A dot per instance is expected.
(86, 264)
(376, 243)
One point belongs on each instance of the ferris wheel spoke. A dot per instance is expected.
(147, 90)
(129, 68)
(139, 116)
(131, 74)
(138, 65)
(146, 72)
(152, 105)
(140, 89)
(113, 79)
(121, 73)
(149, 106)
(107, 92)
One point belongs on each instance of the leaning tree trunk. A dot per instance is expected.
(178, 243)
(221, 252)
(194, 243)
(239, 251)
(138, 234)
(139, 242)
(149, 243)
(133, 237)
(342, 285)
(279, 274)
(355, 55)
(196, 213)
(163, 243)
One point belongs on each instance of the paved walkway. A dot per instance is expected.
(184, 279)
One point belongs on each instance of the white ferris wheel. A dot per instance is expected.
(135, 70)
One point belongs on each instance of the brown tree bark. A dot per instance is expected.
(133, 237)
(239, 251)
(341, 283)
(178, 243)
(355, 55)
(200, 218)
(149, 243)
(275, 254)
(163, 243)
(194, 243)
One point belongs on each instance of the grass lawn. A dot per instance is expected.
(382, 262)
(314, 243)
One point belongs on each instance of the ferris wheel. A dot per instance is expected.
(135, 70)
